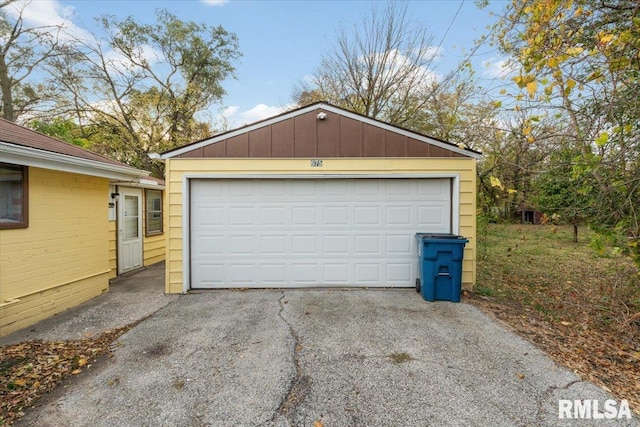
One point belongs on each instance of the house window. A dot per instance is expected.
(13, 196)
(154, 212)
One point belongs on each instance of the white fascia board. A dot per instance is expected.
(314, 107)
(142, 183)
(27, 156)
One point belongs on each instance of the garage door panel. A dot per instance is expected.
(398, 215)
(367, 244)
(305, 244)
(335, 245)
(432, 215)
(306, 232)
(335, 215)
(400, 244)
(366, 273)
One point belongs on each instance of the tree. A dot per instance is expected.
(142, 86)
(560, 191)
(380, 69)
(63, 129)
(23, 51)
(580, 59)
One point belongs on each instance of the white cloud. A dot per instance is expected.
(236, 118)
(214, 2)
(431, 53)
(499, 67)
(48, 13)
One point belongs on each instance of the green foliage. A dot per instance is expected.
(63, 129)
(152, 84)
(580, 63)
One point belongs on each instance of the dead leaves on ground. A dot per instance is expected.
(595, 355)
(30, 369)
(582, 308)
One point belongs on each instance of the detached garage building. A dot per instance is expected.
(318, 196)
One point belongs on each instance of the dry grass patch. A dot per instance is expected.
(581, 307)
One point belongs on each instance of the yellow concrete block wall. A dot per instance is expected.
(176, 168)
(63, 253)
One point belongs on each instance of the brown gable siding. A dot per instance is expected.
(329, 136)
(374, 141)
(305, 136)
(260, 142)
(282, 139)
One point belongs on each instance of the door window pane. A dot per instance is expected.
(130, 217)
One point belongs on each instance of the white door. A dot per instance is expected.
(129, 229)
(312, 232)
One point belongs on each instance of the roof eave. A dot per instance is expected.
(27, 156)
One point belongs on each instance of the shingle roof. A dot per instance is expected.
(12, 133)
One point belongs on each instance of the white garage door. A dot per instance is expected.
(312, 232)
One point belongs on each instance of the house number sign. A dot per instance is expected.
(316, 163)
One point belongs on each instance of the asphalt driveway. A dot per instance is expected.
(296, 357)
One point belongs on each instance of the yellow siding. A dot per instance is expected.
(62, 258)
(177, 168)
(153, 247)
(113, 249)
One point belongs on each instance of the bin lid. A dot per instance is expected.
(438, 236)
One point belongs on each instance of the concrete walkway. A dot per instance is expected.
(130, 298)
(296, 357)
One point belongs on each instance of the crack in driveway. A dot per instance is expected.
(547, 394)
(300, 383)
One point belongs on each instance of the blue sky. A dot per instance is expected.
(283, 41)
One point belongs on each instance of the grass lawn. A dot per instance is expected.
(579, 304)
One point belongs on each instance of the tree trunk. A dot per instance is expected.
(5, 86)
(575, 233)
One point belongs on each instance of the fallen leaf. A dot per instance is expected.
(520, 376)
(318, 423)
(76, 371)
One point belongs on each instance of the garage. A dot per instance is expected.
(312, 232)
(315, 197)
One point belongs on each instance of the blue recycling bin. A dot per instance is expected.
(440, 264)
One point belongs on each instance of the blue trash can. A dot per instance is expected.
(440, 264)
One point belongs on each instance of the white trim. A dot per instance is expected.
(142, 183)
(28, 156)
(120, 229)
(186, 201)
(186, 234)
(306, 110)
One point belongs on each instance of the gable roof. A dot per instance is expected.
(322, 130)
(20, 145)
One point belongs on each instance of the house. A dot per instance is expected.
(70, 220)
(317, 196)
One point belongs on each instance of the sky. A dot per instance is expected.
(282, 42)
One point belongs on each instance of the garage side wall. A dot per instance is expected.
(179, 170)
